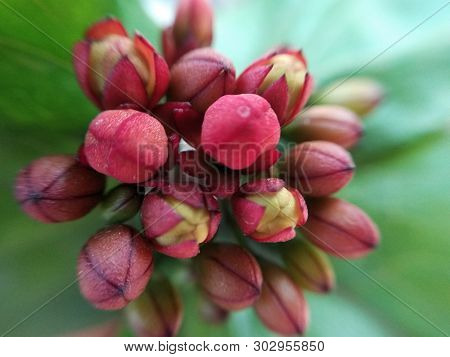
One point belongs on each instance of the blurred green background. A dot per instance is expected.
(402, 180)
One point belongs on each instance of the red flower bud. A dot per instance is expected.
(125, 144)
(178, 218)
(267, 211)
(281, 77)
(229, 275)
(201, 77)
(340, 228)
(361, 95)
(58, 189)
(308, 266)
(181, 118)
(318, 168)
(114, 267)
(192, 29)
(215, 179)
(158, 312)
(281, 306)
(113, 69)
(237, 129)
(329, 123)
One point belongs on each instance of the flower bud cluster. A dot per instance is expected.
(190, 142)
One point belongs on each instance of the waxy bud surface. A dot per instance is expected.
(267, 211)
(201, 77)
(340, 228)
(58, 189)
(114, 266)
(126, 144)
(318, 168)
(229, 275)
(121, 203)
(308, 266)
(281, 306)
(158, 312)
(282, 78)
(329, 123)
(177, 218)
(238, 129)
(115, 70)
(192, 29)
(361, 95)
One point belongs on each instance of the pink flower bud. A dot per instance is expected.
(201, 77)
(308, 266)
(318, 168)
(238, 129)
(58, 189)
(281, 306)
(267, 211)
(178, 218)
(340, 228)
(361, 95)
(158, 312)
(282, 78)
(229, 275)
(181, 118)
(114, 267)
(192, 29)
(125, 144)
(329, 123)
(113, 69)
(215, 179)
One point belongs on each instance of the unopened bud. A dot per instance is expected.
(329, 123)
(121, 203)
(158, 312)
(201, 77)
(114, 266)
(318, 168)
(360, 95)
(229, 275)
(178, 218)
(114, 70)
(281, 77)
(281, 306)
(192, 29)
(126, 144)
(238, 129)
(340, 228)
(58, 189)
(267, 211)
(308, 266)
(182, 119)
